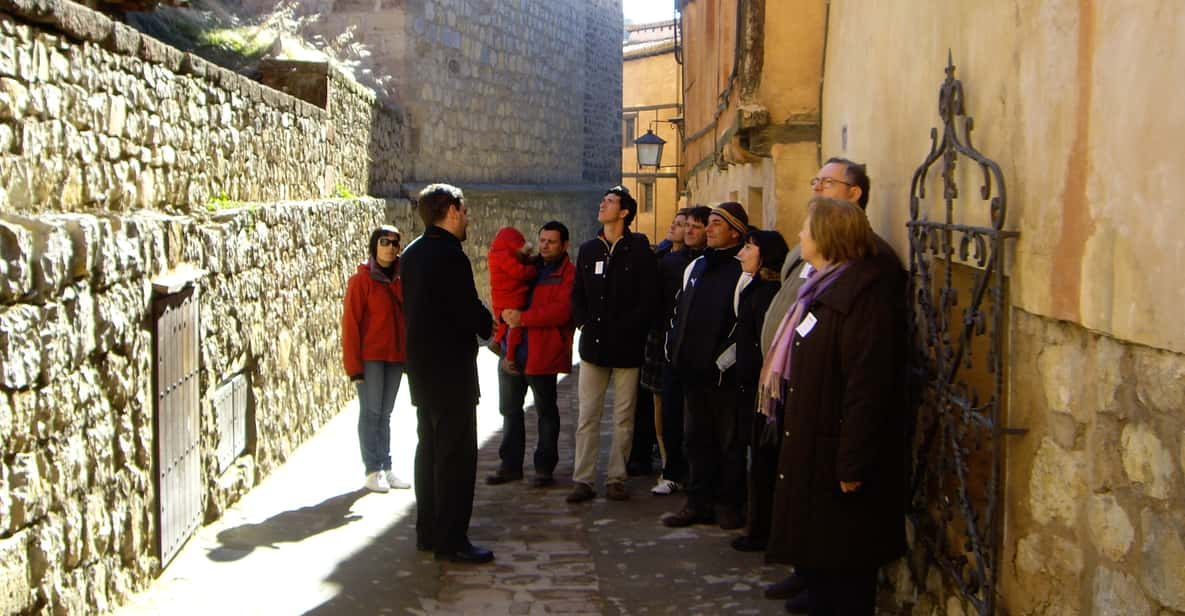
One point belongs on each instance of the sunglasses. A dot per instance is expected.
(383, 241)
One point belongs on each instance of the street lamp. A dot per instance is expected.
(649, 149)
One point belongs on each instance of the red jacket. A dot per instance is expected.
(372, 321)
(549, 322)
(510, 278)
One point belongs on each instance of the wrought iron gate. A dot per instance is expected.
(178, 455)
(958, 289)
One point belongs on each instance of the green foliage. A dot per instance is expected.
(221, 202)
(246, 41)
(344, 193)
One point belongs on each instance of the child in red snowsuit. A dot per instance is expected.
(510, 282)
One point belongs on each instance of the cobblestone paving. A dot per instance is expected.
(307, 540)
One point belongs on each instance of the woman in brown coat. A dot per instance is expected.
(835, 370)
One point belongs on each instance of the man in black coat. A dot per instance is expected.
(714, 433)
(613, 304)
(444, 320)
(670, 275)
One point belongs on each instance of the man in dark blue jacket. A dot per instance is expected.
(444, 320)
(613, 304)
(699, 349)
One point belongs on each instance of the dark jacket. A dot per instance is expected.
(754, 301)
(444, 320)
(615, 308)
(704, 316)
(845, 421)
(670, 280)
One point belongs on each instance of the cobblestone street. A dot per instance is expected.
(310, 540)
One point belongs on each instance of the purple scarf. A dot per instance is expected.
(775, 372)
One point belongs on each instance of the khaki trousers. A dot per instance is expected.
(594, 380)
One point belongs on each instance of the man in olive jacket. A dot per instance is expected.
(444, 320)
(613, 304)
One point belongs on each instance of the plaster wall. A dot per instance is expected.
(652, 80)
(1065, 97)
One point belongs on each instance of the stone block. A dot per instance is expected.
(161, 54)
(1146, 460)
(16, 591)
(1162, 557)
(30, 494)
(14, 99)
(1057, 484)
(1161, 385)
(49, 256)
(42, 11)
(83, 231)
(82, 23)
(16, 261)
(1110, 528)
(123, 40)
(20, 346)
(1117, 594)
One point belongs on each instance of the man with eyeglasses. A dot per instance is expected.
(839, 178)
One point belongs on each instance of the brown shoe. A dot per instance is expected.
(686, 517)
(581, 493)
(616, 491)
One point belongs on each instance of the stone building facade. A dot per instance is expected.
(1094, 364)
(127, 164)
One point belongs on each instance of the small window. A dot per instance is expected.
(628, 131)
(647, 202)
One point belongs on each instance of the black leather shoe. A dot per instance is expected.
(747, 543)
(503, 476)
(686, 517)
(799, 604)
(471, 555)
(423, 546)
(790, 587)
(542, 481)
(729, 518)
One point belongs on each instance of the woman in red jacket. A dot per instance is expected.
(373, 352)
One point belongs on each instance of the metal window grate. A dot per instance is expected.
(178, 454)
(230, 409)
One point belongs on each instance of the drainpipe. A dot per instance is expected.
(822, 82)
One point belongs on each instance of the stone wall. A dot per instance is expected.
(510, 92)
(77, 484)
(525, 208)
(1096, 489)
(602, 90)
(95, 116)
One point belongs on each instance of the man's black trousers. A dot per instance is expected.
(446, 469)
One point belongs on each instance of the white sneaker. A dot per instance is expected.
(665, 487)
(394, 482)
(375, 482)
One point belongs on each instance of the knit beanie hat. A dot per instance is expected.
(733, 214)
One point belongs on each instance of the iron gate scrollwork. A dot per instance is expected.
(958, 362)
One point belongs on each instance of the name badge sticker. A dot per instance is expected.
(807, 324)
(599, 268)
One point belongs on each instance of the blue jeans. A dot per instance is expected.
(512, 390)
(376, 398)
